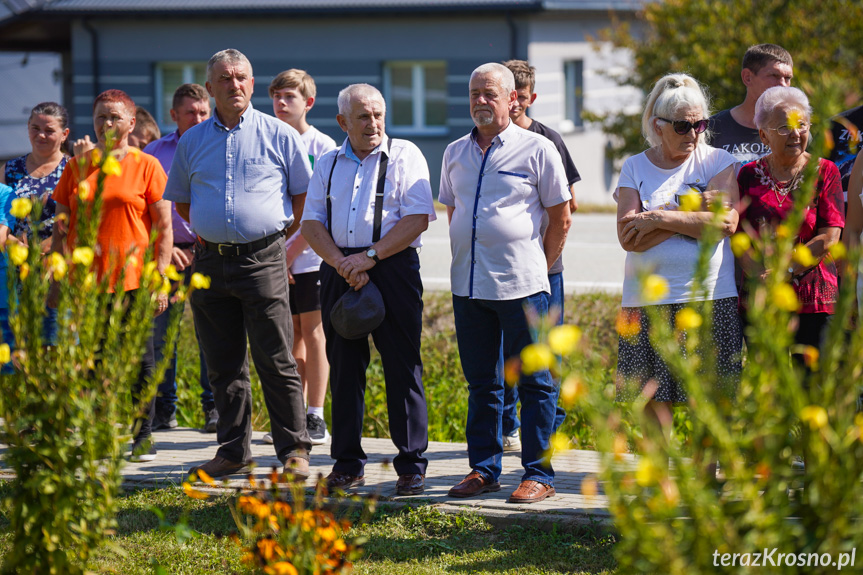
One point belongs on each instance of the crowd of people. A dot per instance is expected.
(311, 246)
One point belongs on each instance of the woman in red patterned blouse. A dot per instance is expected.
(767, 191)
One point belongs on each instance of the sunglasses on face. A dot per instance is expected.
(682, 127)
(801, 127)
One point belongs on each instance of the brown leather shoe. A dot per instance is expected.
(298, 467)
(530, 491)
(343, 481)
(221, 467)
(473, 484)
(410, 484)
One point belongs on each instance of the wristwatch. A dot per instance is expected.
(791, 271)
(373, 253)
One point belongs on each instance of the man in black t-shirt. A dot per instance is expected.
(846, 129)
(764, 66)
(525, 82)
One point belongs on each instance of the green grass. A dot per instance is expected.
(405, 541)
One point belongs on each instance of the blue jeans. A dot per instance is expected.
(482, 327)
(511, 422)
(166, 398)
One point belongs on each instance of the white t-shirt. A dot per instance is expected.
(318, 144)
(675, 258)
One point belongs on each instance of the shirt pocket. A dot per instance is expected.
(510, 187)
(260, 175)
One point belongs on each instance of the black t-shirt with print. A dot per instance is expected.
(572, 174)
(741, 142)
(846, 129)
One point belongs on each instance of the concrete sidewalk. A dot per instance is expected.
(181, 449)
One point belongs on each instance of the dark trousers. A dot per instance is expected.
(248, 296)
(398, 341)
(148, 410)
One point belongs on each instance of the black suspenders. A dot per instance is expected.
(379, 195)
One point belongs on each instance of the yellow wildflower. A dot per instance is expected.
(559, 442)
(589, 486)
(83, 191)
(83, 256)
(17, 252)
(24, 271)
(810, 357)
(281, 568)
(796, 118)
(199, 281)
(111, 167)
(327, 533)
(687, 318)
(572, 390)
(192, 492)
(628, 324)
(740, 243)
(815, 416)
(655, 288)
(536, 357)
(202, 476)
(562, 339)
(858, 420)
(90, 280)
(690, 202)
(619, 447)
(511, 371)
(267, 548)
(149, 270)
(647, 473)
(172, 274)
(58, 266)
(803, 256)
(21, 207)
(838, 251)
(782, 231)
(282, 508)
(96, 157)
(5, 353)
(784, 298)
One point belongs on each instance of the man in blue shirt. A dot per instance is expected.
(240, 180)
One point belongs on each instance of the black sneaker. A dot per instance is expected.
(165, 420)
(143, 450)
(317, 428)
(211, 420)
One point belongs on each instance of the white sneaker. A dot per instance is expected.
(267, 438)
(512, 442)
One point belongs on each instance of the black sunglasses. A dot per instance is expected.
(682, 126)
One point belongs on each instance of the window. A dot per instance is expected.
(574, 77)
(169, 77)
(416, 95)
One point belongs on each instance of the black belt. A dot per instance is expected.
(350, 251)
(241, 249)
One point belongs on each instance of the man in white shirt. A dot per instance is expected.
(362, 241)
(497, 182)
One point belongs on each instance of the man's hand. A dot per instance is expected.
(361, 279)
(354, 264)
(181, 258)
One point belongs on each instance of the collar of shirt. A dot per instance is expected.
(348, 151)
(221, 126)
(501, 138)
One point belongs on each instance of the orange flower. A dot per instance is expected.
(628, 323)
(192, 492)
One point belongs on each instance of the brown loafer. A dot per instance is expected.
(298, 467)
(530, 491)
(337, 480)
(473, 484)
(410, 484)
(221, 467)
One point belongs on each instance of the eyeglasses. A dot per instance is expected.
(682, 127)
(801, 127)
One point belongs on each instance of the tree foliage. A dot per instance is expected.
(707, 39)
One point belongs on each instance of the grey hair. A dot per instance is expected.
(359, 91)
(671, 93)
(504, 74)
(777, 96)
(231, 56)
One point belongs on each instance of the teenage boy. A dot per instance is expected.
(525, 84)
(293, 93)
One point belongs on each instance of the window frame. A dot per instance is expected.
(573, 78)
(188, 67)
(418, 92)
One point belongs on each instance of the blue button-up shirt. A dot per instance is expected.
(239, 181)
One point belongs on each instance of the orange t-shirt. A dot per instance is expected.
(126, 199)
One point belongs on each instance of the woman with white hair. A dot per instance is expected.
(663, 197)
(768, 188)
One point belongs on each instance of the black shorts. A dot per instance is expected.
(305, 294)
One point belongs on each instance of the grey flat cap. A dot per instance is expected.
(358, 313)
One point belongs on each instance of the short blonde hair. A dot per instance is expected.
(294, 78)
(671, 93)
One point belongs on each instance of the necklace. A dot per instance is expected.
(780, 189)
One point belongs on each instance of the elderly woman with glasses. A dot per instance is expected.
(768, 189)
(663, 196)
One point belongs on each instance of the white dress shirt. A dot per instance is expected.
(407, 191)
(499, 199)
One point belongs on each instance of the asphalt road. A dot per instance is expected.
(592, 259)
